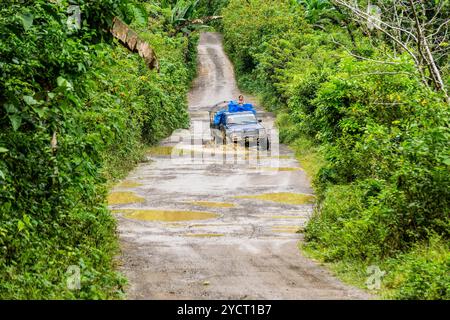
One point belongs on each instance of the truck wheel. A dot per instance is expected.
(264, 144)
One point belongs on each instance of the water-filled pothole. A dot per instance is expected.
(167, 215)
(123, 198)
(160, 150)
(282, 197)
(286, 229)
(129, 184)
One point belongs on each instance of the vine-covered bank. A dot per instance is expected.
(76, 110)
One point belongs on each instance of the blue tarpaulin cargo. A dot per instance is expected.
(232, 107)
(218, 117)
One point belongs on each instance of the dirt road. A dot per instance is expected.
(202, 221)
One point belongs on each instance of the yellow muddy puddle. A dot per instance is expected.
(227, 149)
(160, 151)
(129, 184)
(286, 229)
(211, 204)
(167, 215)
(123, 198)
(204, 235)
(282, 197)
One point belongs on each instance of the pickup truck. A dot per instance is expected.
(237, 124)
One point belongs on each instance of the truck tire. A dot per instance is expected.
(264, 144)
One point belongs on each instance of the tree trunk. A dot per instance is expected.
(131, 40)
(427, 55)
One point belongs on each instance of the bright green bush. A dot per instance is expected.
(346, 227)
(422, 273)
(401, 142)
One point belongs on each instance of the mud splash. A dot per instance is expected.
(123, 198)
(282, 197)
(217, 149)
(167, 215)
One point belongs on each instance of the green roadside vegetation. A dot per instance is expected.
(77, 111)
(370, 124)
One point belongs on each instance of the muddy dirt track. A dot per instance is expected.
(219, 222)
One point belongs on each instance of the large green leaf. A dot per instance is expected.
(29, 100)
(20, 225)
(27, 20)
(62, 82)
(16, 121)
(40, 111)
(140, 15)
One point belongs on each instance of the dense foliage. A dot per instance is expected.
(76, 110)
(360, 103)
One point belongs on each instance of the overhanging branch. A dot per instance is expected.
(129, 38)
(203, 20)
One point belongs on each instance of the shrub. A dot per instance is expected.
(422, 273)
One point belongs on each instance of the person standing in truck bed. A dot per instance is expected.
(241, 100)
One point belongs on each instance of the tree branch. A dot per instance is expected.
(129, 38)
(203, 20)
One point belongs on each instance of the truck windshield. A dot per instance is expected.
(241, 119)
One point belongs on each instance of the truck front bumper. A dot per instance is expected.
(247, 139)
